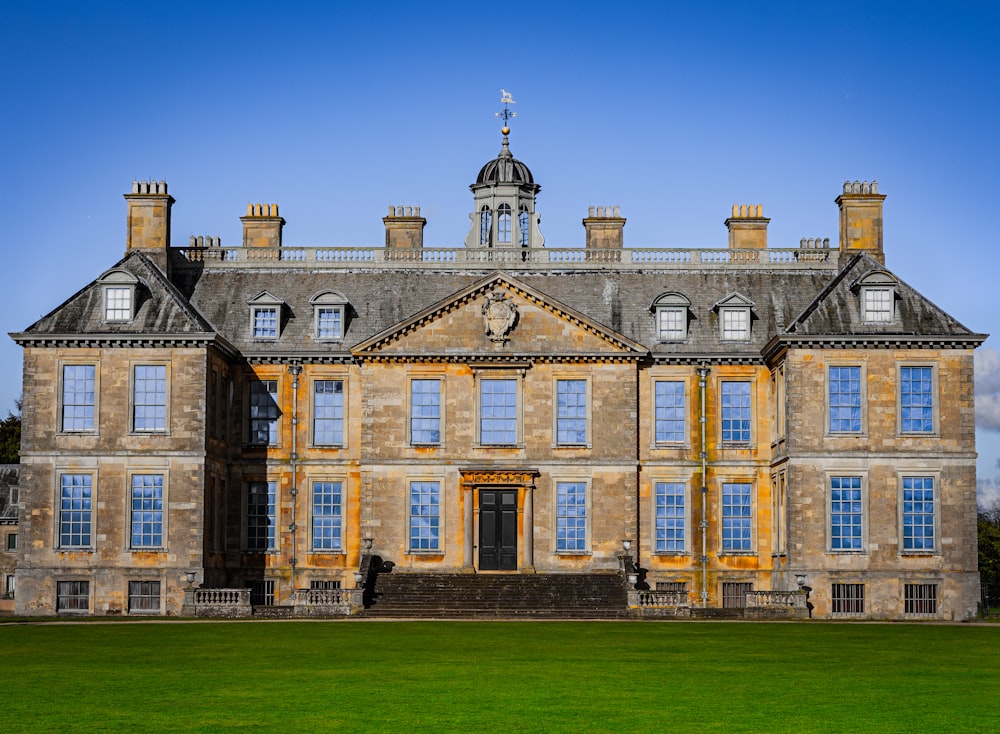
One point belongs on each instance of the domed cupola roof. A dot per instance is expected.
(505, 168)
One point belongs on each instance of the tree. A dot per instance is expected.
(10, 437)
(989, 550)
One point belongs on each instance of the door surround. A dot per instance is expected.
(521, 480)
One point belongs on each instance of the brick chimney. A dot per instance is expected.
(605, 228)
(262, 226)
(404, 228)
(149, 220)
(747, 227)
(861, 220)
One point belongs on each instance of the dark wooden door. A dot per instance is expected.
(498, 529)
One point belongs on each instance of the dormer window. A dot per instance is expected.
(735, 324)
(877, 291)
(329, 311)
(119, 295)
(734, 318)
(265, 317)
(671, 311)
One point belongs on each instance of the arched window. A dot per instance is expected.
(522, 225)
(484, 226)
(503, 223)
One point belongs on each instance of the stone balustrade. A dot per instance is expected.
(776, 604)
(235, 603)
(226, 603)
(644, 603)
(514, 258)
(327, 602)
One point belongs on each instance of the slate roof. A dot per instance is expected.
(161, 308)
(788, 304)
(836, 310)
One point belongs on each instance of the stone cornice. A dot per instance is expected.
(299, 358)
(518, 359)
(478, 476)
(112, 341)
(872, 341)
(707, 358)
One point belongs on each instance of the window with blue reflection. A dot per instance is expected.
(736, 412)
(149, 398)
(916, 399)
(425, 411)
(571, 516)
(918, 513)
(736, 517)
(571, 412)
(425, 516)
(75, 510)
(669, 501)
(78, 397)
(846, 513)
(147, 510)
(845, 399)
(669, 411)
(326, 515)
(498, 412)
(503, 223)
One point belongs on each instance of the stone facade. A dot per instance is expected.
(246, 427)
(9, 493)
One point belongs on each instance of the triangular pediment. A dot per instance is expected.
(499, 317)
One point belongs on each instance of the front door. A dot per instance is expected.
(498, 529)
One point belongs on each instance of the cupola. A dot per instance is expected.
(504, 199)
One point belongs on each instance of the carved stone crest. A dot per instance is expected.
(499, 315)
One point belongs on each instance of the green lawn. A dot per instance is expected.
(500, 677)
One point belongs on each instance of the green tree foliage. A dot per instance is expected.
(989, 550)
(10, 437)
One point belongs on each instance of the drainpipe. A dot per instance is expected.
(703, 373)
(296, 370)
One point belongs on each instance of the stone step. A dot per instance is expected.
(581, 596)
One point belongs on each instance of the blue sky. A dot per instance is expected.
(674, 111)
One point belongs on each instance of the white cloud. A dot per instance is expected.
(987, 493)
(987, 364)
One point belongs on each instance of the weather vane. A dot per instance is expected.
(506, 99)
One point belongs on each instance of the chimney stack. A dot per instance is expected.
(262, 226)
(404, 228)
(148, 220)
(605, 228)
(747, 227)
(861, 220)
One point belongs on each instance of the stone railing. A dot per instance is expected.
(659, 603)
(327, 602)
(222, 603)
(547, 258)
(233, 603)
(776, 604)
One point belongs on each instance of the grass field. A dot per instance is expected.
(500, 677)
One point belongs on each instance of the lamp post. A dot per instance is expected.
(188, 609)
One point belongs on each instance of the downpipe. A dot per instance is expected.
(703, 373)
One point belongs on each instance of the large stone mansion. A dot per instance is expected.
(728, 421)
